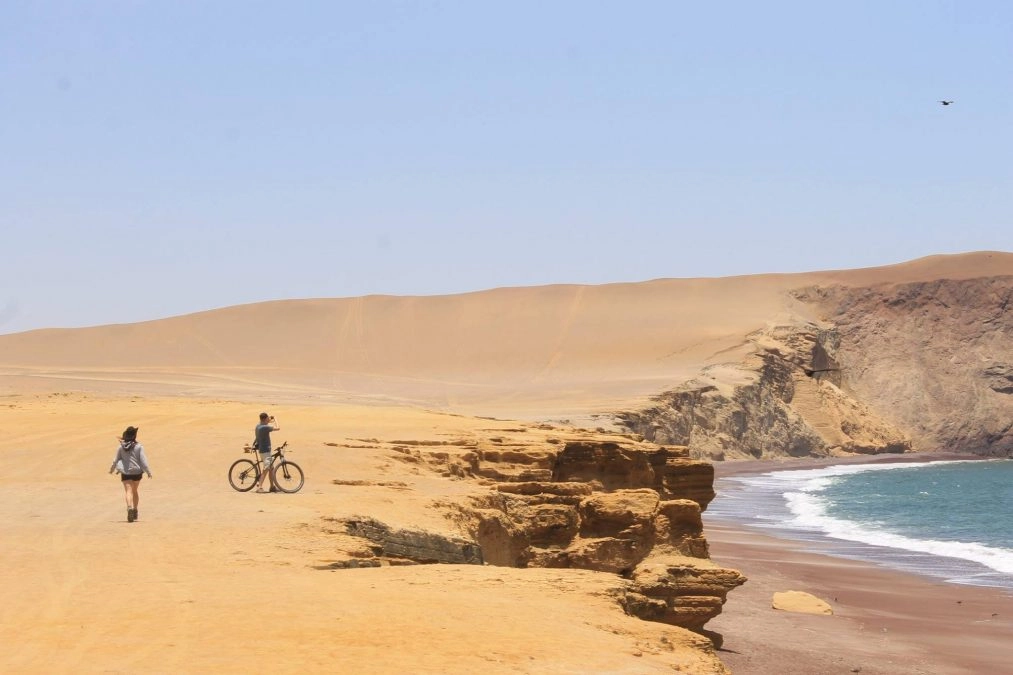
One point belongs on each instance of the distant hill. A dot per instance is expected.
(572, 350)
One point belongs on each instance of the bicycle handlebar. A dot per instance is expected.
(250, 448)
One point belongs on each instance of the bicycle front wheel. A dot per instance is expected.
(243, 475)
(287, 476)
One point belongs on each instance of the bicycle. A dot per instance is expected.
(285, 475)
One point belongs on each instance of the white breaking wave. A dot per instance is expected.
(800, 490)
(810, 512)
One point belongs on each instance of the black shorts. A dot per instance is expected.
(126, 476)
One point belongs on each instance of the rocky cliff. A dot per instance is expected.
(934, 359)
(616, 506)
(885, 368)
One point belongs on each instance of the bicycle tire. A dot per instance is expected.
(287, 476)
(243, 475)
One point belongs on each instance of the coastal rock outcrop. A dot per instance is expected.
(679, 591)
(882, 369)
(621, 507)
(932, 358)
(784, 400)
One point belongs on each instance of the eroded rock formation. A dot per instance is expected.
(883, 369)
(933, 358)
(626, 508)
(783, 400)
(680, 591)
(416, 545)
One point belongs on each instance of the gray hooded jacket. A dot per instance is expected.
(130, 459)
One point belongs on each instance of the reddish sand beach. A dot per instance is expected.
(883, 621)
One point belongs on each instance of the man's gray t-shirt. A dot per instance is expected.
(263, 434)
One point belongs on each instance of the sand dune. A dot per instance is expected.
(589, 347)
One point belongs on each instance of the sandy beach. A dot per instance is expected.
(884, 622)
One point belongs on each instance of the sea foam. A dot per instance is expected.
(795, 503)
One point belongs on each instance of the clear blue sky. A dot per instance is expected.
(159, 158)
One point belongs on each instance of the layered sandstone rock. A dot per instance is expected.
(680, 591)
(616, 506)
(784, 400)
(415, 545)
(883, 369)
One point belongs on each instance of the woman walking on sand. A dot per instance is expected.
(131, 463)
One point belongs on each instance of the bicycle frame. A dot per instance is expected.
(278, 454)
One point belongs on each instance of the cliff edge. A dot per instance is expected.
(888, 368)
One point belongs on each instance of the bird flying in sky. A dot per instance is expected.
(946, 102)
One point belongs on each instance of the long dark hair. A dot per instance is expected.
(129, 438)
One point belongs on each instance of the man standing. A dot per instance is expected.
(263, 437)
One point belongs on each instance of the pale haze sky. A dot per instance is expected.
(161, 158)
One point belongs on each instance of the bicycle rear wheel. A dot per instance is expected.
(288, 477)
(243, 475)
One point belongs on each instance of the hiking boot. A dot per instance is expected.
(131, 515)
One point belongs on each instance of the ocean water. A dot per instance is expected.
(951, 520)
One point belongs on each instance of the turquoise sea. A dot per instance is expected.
(951, 520)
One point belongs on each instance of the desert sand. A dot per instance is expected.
(210, 579)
